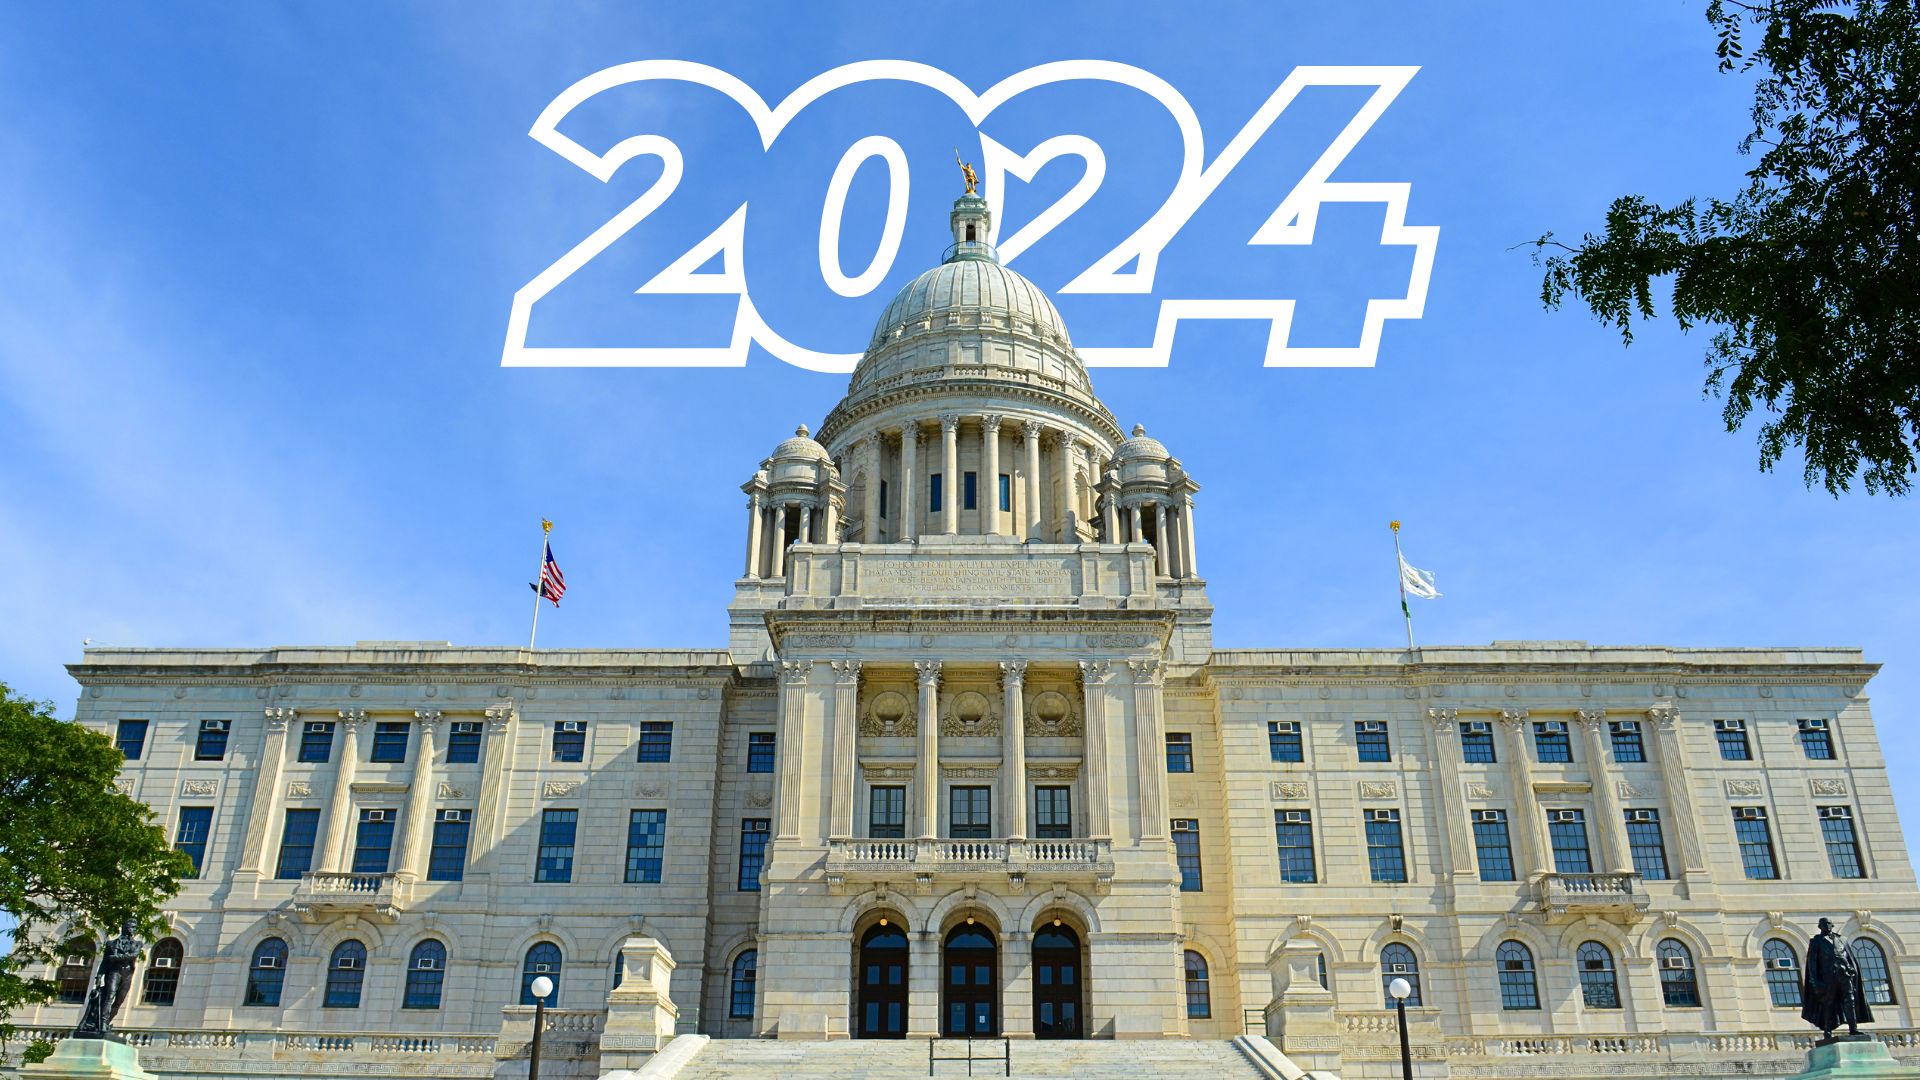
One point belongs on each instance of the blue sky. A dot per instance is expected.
(259, 261)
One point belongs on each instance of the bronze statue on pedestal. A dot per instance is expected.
(1831, 993)
(112, 982)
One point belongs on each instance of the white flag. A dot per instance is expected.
(1417, 582)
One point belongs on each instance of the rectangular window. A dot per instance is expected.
(448, 859)
(887, 812)
(1370, 736)
(1386, 857)
(1493, 845)
(1186, 851)
(656, 740)
(1732, 737)
(1647, 846)
(759, 751)
(390, 741)
(971, 813)
(753, 852)
(296, 844)
(646, 845)
(1627, 744)
(373, 842)
(131, 738)
(970, 491)
(1006, 492)
(1476, 743)
(1550, 743)
(316, 742)
(569, 740)
(933, 493)
(196, 822)
(1179, 752)
(212, 744)
(1816, 739)
(1283, 741)
(883, 499)
(1756, 842)
(1843, 845)
(555, 859)
(1052, 813)
(1293, 831)
(1567, 829)
(463, 742)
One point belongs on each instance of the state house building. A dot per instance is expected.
(970, 763)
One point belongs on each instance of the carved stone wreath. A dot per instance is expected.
(886, 714)
(1052, 714)
(969, 713)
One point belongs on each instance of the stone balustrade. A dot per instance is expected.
(303, 1053)
(1082, 859)
(321, 893)
(1616, 895)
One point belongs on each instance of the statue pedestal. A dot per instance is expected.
(1844, 1058)
(91, 1058)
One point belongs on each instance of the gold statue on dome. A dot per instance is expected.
(966, 172)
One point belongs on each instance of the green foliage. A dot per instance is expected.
(38, 1050)
(1810, 276)
(76, 857)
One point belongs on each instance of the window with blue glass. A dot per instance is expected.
(1398, 962)
(753, 851)
(1646, 844)
(191, 837)
(266, 974)
(933, 493)
(1628, 746)
(555, 861)
(463, 742)
(1006, 492)
(542, 959)
(1816, 739)
(1875, 983)
(162, 981)
(1599, 984)
(212, 743)
(1386, 857)
(1551, 746)
(448, 859)
(741, 986)
(1493, 845)
(1476, 743)
(1293, 833)
(1783, 973)
(296, 844)
(426, 974)
(1370, 738)
(1843, 844)
(1679, 985)
(1179, 752)
(1756, 842)
(346, 970)
(1283, 741)
(1199, 992)
(1186, 851)
(316, 742)
(887, 812)
(131, 738)
(1567, 829)
(760, 748)
(1052, 812)
(656, 740)
(373, 842)
(569, 740)
(1732, 737)
(1513, 962)
(390, 741)
(646, 845)
(969, 491)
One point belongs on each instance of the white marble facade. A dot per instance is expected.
(970, 689)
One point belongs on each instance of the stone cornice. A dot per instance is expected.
(1154, 627)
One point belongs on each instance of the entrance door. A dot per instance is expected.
(1056, 984)
(882, 1004)
(970, 986)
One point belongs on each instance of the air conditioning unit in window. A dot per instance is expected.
(1813, 725)
(1781, 963)
(376, 815)
(1564, 815)
(1295, 817)
(1489, 816)
(1642, 815)
(213, 725)
(1835, 812)
(426, 963)
(347, 963)
(1749, 813)
(1513, 965)
(540, 969)
(573, 725)
(1287, 727)
(1554, 727)
(455, 815)
(268, 963)
(163, 962)
(1373, 725)
(78, 961)
(1729, 725)
(1477, 727)
(1593, 965)
(1399, 969)
(1674, 963)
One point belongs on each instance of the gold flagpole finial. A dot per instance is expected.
(1394, 525)
(546, 526)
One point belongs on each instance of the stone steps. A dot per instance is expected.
(860, 1059)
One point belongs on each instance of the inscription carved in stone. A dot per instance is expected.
(964, 577)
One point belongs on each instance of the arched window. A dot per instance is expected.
(266, 974)
(163, 973)
(1517, 988)
(1874, 978)
(1599, 986)
(344, 971)
(1783, 973)
(1397, 962)
(1320, 968)
(740, 998)
(426, 971)
(1679, 986)
(1199, 995)
(75, 973)
(542, 959)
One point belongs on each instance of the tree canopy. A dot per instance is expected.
(1810, 275)
(76, 856)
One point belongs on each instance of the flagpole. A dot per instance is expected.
(1400, 575)
(539, 581)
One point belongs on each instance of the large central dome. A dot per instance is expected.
(976, 285)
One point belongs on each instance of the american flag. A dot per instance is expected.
(553, 584)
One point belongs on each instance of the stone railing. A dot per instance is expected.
(1085, 859)
(302, 1053)
(1599, 894)
(322, 892)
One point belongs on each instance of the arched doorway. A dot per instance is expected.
(881, 1008)
(970, 982)
(1056, 983)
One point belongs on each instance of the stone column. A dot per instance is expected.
(1013, 747)
(1186, 537)
(269, 792)
(1063, 488)
(779, 563)
(1615, 855)
(990, 465)
(806, 525)
(846, 699)
(870, 498)
(496, 764)
(1461, 858)
(1535, 854)
(753, 535)
(1094, 676)
(1160, 549)
(1134, 533)
(792, 740)
(830, 526)
(1149, 749)
(950, 470)
(415, 840)
(927, 767)
(1110, 514)
(1176, 556)
(339, 810)
(1036, 519)
(909, 451)
(1673, 776)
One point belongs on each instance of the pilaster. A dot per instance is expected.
(846, 695)
(339, 811)
(420, 791)
(269, 793)
(496, 764)
(1150, 762)
(1665, 721)
(1616, 856)
(1535, 854)
(1461, 858)
(1094, 677)
(792, 739)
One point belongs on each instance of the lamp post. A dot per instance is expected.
(1399, 989)
(543, 986)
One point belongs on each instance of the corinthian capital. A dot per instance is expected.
(279, 716)
(991, 424)
(1013, 671)
(846, 671)
(795, 672)
(427, 717)
(1513, 717)
(499, 716)
(353, 717)
(1032, 429)
(1444, 718)
(949, 422)
(1663, 716)
(1591, 717)
(1096, 671)
(928, 672)
(1145, 672)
